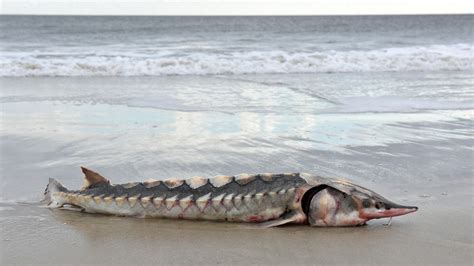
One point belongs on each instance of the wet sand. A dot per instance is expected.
(412, 155)
(433, 236)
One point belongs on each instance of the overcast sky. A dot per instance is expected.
(234, 7)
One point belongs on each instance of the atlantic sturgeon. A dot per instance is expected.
(268, 199)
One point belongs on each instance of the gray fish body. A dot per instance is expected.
(271, 199)
(243, 198)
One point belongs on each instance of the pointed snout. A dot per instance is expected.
(397, 211)
(390, 210)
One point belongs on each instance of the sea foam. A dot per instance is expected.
(116, 63)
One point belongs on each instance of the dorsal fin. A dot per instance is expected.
(93, 178)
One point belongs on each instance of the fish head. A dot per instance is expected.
(346, 204)
(376, 207)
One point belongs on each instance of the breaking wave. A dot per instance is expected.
(414, 58)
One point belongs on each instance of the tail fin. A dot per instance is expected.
(50, 199)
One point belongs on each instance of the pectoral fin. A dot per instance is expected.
(283, 219)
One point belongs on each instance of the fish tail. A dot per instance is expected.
(51, 197)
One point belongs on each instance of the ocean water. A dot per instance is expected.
(152, 46)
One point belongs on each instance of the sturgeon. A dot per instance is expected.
(267, 199)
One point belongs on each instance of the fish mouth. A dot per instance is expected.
(391, 210)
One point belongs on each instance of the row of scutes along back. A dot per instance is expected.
(217, 181)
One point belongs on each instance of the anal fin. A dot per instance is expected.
(71, 207)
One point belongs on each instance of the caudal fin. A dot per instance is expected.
(50, 199)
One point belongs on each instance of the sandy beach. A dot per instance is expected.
(417, 153)
(59, 237)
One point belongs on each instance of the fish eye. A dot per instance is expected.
(366, 203)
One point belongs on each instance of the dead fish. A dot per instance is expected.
(267, 199)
